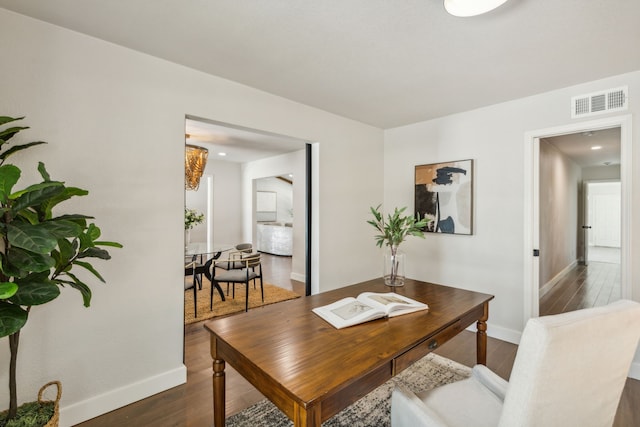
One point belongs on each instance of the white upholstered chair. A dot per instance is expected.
(570, 370)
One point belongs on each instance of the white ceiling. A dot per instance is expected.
(238, 144)
(578, 147)
(381, 62)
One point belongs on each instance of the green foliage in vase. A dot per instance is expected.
(396, 228)
(39, 249)
(192, 218)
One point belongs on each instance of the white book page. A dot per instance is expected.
(348, 311)
(393, 304)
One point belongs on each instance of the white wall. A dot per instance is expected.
(284, 196)
(227, 201)
(560, 188)
(491, 260)
(114, 119)
(595, 173)
(294, 163)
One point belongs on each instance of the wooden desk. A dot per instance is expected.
(311, 371)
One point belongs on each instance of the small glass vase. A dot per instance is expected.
(394, 268)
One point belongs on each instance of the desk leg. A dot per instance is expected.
(309, 417)
(218, 381)
(481, 337)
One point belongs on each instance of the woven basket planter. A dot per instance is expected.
(54, 420)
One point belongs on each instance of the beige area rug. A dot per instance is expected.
(374, 409)
(272, 294)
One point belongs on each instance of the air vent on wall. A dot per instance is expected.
(599, 102)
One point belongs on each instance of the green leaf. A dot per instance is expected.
(66, 194)
(9, 269)
(82, 287)
(22, 262)
(62, 228)
(36, 194)
(81, 220)
(9, 176)
(8, 133)
(17, 148)
(105, 243)
(12, 318)
(6, 119)
(93, 231)
(29, 215)
(35, 289)
(90, 268)
(94, 253)
(43, 172)
(7, 289)
(396, 228)
(33, 238)
(66, 251)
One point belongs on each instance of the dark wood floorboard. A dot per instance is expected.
(190, 404)
(594, 285)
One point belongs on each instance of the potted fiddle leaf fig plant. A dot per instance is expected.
(40, 251)
(393, 231)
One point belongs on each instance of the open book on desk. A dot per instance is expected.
(367, 306)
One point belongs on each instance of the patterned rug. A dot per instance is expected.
(374, 409)
(272, 294)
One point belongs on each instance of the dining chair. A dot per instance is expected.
(570, 370)
(244, 247)
(198, 270)
(251, 270)
(234, 259)
(190, 270)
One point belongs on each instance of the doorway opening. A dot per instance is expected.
(239, 157)
(602, 222)
(537, 200)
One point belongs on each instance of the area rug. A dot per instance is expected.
(272, 294)
(374, 409)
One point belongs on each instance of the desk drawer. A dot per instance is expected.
(427, 346)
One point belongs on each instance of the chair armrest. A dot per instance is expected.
(493, 382)
(407, 410)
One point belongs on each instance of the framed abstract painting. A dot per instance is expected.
(444, 195)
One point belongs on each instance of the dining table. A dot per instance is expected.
(198, 252)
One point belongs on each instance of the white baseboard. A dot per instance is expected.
(504, 334)
(81, 411)
(299, 277)
(554, 281)
(634, 371)
(500, 333)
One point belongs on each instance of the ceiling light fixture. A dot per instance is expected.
(195, 160)
(464, 8)
(596, 147)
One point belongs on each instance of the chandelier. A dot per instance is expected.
(195, 159)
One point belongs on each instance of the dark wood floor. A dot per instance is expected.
(584, 286)
(190, 404)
